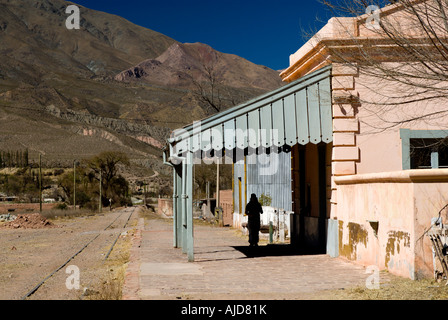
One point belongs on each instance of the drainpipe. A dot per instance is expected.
(167, 161)
(164, 150)
(175, 196)
(184, 189)
(184, 196)
(187, 235)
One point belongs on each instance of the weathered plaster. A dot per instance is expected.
(357, 234)
(382, 211)
(396, 238)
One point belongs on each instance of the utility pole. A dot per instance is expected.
(101, 191)
(217, 210)
(40, 182)
(74, 184)
(217, 183)
(207, 194)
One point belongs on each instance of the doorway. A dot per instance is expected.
(310, 180)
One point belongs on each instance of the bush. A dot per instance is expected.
(61, 206)
(58, 172)
(265, 200)
(82, 199)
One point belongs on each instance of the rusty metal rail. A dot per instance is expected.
(34, 289)
(116, 239)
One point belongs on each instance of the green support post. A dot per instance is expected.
(184, 206)
(189, 207)
(175, 188)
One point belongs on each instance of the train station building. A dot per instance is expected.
(361, 176)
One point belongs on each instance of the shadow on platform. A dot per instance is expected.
(276, 250)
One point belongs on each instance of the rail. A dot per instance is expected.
(35, 288)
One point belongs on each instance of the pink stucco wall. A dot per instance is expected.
(369, 187)
(380, 120)
(403, 203)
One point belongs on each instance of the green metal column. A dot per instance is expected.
(176, 179)
(174, 208)
(189, 207)
(179, 213)
(177, 206)
(184, 207)
(185, 214)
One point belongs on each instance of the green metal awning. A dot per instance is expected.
(299, 112)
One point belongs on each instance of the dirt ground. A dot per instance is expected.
(397, 288)
(29, 255)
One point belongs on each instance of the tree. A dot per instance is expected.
(210, 88)
(204, 173)
(65, 183)
(208, 91)
(25, 158)
(84, 188)
(105, 166)
(17, 159)
(119, 189)
(23, 183)
(404, 47)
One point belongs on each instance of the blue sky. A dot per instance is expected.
(264, 32)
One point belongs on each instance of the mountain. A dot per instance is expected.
(182, 64)
(34, 34)
(111, 85)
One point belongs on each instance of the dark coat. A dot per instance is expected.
(253, 210)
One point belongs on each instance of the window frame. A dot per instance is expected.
(407, 134)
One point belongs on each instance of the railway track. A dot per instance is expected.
(92, 250)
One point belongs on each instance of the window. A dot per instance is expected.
(424, 149)
(428, 153)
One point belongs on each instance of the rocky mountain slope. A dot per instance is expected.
(183, 64)
(111, 85)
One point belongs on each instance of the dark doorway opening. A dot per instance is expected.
(310, 181)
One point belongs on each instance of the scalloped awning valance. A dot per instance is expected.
(300, 112)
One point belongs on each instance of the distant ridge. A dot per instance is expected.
(112, 85)
(181, 63)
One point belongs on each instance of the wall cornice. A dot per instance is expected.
(405, 176)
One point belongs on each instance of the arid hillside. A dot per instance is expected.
(111, 85)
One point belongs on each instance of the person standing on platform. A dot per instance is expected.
(253, 211)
